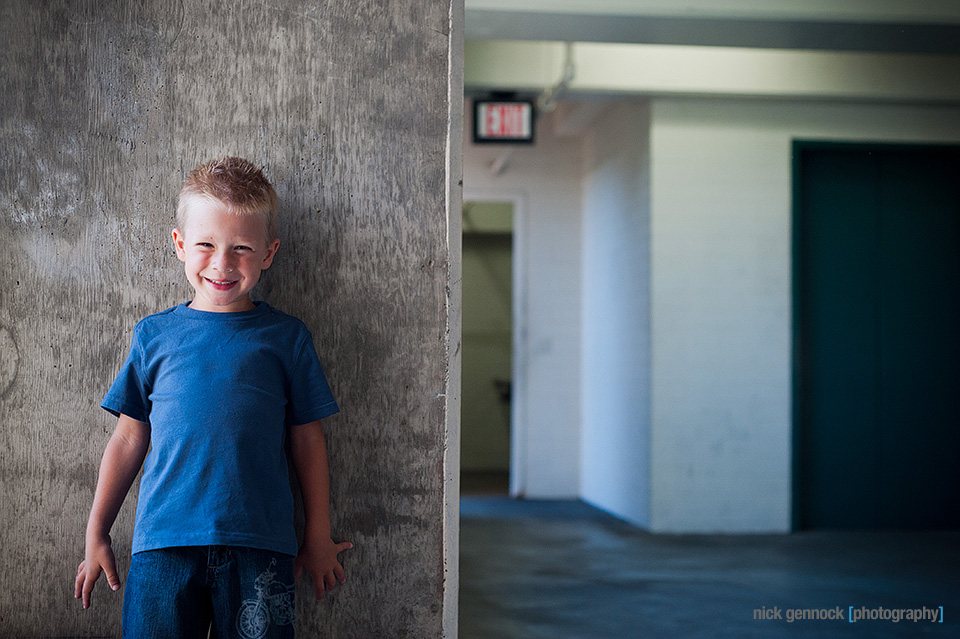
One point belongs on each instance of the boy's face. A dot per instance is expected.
(223, 255)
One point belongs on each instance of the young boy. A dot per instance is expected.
(215, 387)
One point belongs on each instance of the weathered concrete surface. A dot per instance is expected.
(105, 105)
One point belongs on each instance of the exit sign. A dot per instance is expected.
(503, 121)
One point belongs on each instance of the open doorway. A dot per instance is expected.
(487, 380)
(878, 305)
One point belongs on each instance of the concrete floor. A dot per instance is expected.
(564, 570)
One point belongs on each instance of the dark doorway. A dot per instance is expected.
(487, 340)
(877, 329)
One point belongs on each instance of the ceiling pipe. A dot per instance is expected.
(547, 100)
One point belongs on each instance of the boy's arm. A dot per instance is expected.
(318, 555)
(121, 462)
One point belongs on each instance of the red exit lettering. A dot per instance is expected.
(504, 120)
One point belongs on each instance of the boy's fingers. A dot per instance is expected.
(78, 583)
(112, 578)
(110, 570)
(88, 584)
(346, 545)
(338, 572)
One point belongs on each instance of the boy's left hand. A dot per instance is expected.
(319, 559)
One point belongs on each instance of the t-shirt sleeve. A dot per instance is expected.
(129, 393)
(310, 395)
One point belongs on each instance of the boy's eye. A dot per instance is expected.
(244, 248)
(204, 244)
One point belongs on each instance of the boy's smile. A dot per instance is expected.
(223, 255)
(222, 285)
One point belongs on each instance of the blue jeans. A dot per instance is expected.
(179, 592)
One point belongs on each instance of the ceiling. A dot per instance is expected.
(883, 26)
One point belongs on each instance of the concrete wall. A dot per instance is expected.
(615, 386)
(105, 106)
(543, 182)
(721, 301)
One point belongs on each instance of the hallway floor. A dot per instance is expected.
(565, 570)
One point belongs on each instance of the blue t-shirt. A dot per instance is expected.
(218, 391)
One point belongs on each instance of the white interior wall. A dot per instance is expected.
(544, 182)
(615, 408)
(721, 297)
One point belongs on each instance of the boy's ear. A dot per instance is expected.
(178, 240)
(271, 253)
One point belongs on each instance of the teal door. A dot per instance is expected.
(877, 328)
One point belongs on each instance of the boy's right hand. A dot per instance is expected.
(99, 558)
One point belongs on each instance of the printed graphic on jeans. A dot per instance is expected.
(273, 605)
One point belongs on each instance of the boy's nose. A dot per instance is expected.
(223, 262)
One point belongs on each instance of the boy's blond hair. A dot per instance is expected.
(236, 183)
